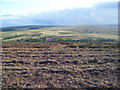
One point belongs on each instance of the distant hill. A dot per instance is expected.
(13, 28)
(57, 33)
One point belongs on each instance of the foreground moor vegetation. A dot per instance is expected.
(60, 65)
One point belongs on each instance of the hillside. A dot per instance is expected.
(60, 33)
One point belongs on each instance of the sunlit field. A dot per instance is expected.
(57, 33)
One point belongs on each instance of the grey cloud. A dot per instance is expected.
(105, 5)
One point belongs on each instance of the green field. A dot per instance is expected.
(59, 32)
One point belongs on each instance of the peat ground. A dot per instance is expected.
(59, 65)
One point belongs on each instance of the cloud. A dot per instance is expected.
(105, 5)
(100, 14)
(36, 6)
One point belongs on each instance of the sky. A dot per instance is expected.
(58, 12)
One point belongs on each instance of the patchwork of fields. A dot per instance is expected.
(60, 65)
(60, 32)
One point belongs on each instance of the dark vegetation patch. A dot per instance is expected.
(46, 39)
(33, 28)
(65, 43)
(65, 33)
(8, 29)
(10, 37)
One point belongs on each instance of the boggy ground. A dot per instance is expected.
(60, 65)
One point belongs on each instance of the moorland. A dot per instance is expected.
(60, 57)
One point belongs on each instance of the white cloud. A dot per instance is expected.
(87, 15)
(36, 6)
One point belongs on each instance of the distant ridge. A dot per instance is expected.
(54, 25)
